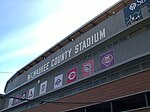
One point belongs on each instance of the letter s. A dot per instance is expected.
(76, 49)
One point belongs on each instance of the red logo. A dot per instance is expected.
(72, 75)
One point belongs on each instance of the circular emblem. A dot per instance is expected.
(72, 75)
(88, 67)
(132, 6)
(58, 81)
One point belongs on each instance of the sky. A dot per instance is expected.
(30, 27)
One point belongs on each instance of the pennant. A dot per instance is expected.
(43, 87)
(31, 93)
(107, 59)
(88, 68)
(72, 75)
(58, 81)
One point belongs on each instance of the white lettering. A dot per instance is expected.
(64, 56)
(76, 49)
(139, 2)
(102, 34)
(69, 52)
(52, 62)
(95, 38)
(38, 71)
(92, 39)
(80, 46)
(98, 36)
(84, 45)
(88, 42)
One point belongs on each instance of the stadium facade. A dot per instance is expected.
(104, 66)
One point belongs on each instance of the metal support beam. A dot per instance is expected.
(85, 109)
(146, 99)
(51, 51)
(93, 24)
(80, 32)
(111, 107)
(60, 46)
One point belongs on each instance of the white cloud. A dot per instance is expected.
(39, 37)
(71, 15)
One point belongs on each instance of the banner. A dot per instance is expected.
(16, 101)
(107, 59)
(43, 87)
(10, 102)
(58, 81)
(72, 75)
(132, 13)
(24, 95)
(88, 68)
(31, 93)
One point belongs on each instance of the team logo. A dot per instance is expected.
(10, 102)
(133, 13)
(43, 87)
(58, 81)
(88, 68)
(132, 6)
(17, 100)
(24, 95)
(107, 59)
(31, 93)
(72, 75)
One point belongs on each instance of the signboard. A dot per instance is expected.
(10, 102)
(43, 87)
(31, 93)
(132, 12)
(107, 59)
(63, 55)
(24, 95)
(16, 101)
(58, 81)
(88, 68)
(148, 5)
(72, 75)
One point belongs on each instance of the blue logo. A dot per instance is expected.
(132, 13)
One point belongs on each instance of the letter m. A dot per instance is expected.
(102, 33)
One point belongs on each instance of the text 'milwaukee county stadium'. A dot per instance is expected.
(103, 66)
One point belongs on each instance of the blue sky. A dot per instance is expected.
(30, 27)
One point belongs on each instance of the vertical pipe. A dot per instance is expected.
(85, 109)
(146, 99)
(111, 106)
